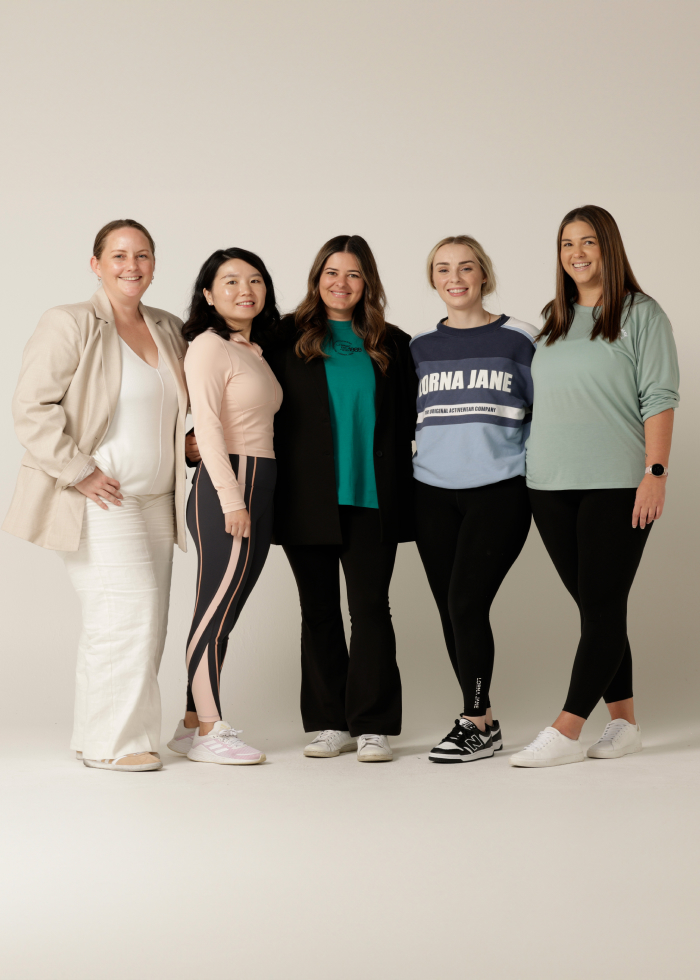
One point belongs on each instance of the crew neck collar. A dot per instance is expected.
(461, 331)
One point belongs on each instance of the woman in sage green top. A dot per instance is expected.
(344, 495)
(605, 378)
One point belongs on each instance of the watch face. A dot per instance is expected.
(657, 469)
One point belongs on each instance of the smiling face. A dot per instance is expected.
(581, 257)
(341, 285)
(237, 293)
(458, 277)
(125, 266)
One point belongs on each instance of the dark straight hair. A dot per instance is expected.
(368, 316)
(202, 316)
(618, 281)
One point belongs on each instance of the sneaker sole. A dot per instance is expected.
(229, 762)
(472, 757)
(350, 747)
(375, 758)
(615, 755)
(148, 767)
(565, 761)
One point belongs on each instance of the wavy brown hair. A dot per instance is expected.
(618, 281)
(368, 320)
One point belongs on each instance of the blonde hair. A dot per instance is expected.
(489, 286)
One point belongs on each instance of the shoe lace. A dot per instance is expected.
(612, 729)
(231, 735)
(458, 733)
(373, 740)
(327, 735)
(544, 738)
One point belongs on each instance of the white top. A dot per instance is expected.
(139, 448)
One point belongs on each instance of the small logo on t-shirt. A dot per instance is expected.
(342, 347)
(623, 333)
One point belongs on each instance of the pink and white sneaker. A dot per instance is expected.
(223, 746)
(181, 742)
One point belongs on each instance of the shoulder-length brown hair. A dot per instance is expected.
(619, 282)
(368, 316)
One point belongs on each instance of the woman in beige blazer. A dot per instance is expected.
(100, 408)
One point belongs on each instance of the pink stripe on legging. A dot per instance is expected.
(201, 684)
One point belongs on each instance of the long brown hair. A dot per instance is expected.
(618, 281)
(368, 316)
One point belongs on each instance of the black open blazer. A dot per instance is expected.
(306, 497)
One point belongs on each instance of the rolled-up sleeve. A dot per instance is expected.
(49, 363)
(208, 370)
(658, 376)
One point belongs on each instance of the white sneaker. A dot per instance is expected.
(329, 743)
(223, 745)
(550, 748)
(181, 742)
(374, 748)
(619, 738)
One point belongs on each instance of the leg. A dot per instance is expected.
(556, 517)
(324, 652)
(610, 551)
(495, 525)
(373, 696)
(114, 575)
(438, 520)
(225, 563)
(159, 516)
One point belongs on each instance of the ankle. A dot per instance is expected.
(191, 720)
(205, 727)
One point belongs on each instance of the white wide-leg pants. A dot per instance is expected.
(121, 572)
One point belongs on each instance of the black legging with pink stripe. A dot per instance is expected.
(227, 572)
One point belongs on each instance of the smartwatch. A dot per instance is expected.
(657, 470)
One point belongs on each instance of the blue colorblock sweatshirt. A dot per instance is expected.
(474, 403)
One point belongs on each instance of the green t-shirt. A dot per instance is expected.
(351, 388)
(593, 397)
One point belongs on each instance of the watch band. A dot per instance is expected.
(650, 470)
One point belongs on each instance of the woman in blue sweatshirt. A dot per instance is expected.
(473, 513)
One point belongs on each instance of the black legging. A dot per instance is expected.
(359, 693)
(595, 549)
(228, 569)
(468, 541)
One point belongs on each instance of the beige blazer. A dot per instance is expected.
(65, 400)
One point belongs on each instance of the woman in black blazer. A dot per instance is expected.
(344, 497)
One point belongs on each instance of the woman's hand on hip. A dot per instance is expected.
(649, 502)
(100, 488)
(238, 523)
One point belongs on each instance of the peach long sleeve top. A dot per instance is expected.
(234, 397)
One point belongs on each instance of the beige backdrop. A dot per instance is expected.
(275, 125)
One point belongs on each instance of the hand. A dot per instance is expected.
(192, 449)
(238, 523)
(100, 488)
(649, 502)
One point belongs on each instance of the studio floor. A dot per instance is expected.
(333, 870)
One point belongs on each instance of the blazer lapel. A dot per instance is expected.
(166, 351)
(111, 354)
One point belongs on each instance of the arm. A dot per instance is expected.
(658, 380)
(651, 493)
(208, 370)
(49, 363)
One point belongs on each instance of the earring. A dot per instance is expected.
(153, 279)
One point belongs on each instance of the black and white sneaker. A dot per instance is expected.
(494, 730)
(465, 743)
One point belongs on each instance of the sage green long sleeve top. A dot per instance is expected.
(592, 398)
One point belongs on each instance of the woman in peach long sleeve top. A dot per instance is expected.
(234, 397)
